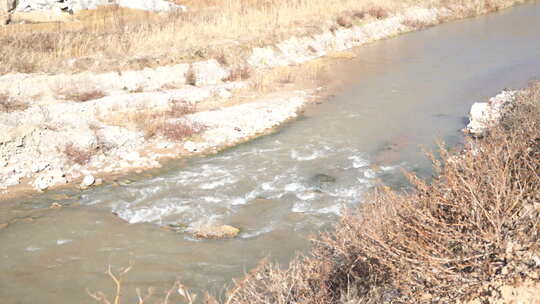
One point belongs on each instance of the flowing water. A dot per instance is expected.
(406, 93)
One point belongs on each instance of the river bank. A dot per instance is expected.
(67, 128)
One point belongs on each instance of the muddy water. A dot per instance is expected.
(406, 93)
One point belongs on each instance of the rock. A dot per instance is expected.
(485, 114)
(88, 181)
(322, 178)
(224, 93)
(217, 232)
(77, 5)
(479, 118)
(320, 181)
(55, 206)
(41, 184)
(40, 16)
(208, 72)
(47, 179)
(38, 167)
(151, 5)
(176, 227)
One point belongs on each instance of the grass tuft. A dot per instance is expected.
(8, 104)
(77, 155)
(179, 130)
(84, 95)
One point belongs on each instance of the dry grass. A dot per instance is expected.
(378, 12)
(477, 222)
(310, 74)
(178, 130)
(153, 121)
(241, 73)
(416, 24)
(79, 91)
(111, 38)
(8, 104)
(84, 95)
(77, 155)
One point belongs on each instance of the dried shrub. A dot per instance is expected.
(359, 14)
(77, 155)
(415, 24)
(155, 122)
(84, 95)
(378, 12)
(180, 108)
(8, 104)
(241, 73)
(476, 223)
(344, 21)
(222, 59)
(191, 78)
(179, 130)
(492, 5)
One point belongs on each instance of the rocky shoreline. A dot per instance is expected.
(67, 128)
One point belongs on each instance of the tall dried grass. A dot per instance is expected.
(8, 104)
(114, 39)
(169, 122)
(477, 222)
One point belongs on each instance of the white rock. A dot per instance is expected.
(151, 5)
(41, 184)
(208, 72)
(191, 146)
(485, 114)
(132, 156)
(77, 5)
(224, 93)
(88, 181)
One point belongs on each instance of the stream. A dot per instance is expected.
(405, 94)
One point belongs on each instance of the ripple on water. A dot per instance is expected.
(214, 189)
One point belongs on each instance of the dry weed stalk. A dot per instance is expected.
(84, 96)
(177, 287)
(77, 155)
(8, 104)
(117, 279)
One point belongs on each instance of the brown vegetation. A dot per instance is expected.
(178, 130)
(154, 121)
(8, 104)
(378, 12)
(77, 155)
(476, 223)
(112, 39)
(416, 24)
(84, 95)
(242, 73)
